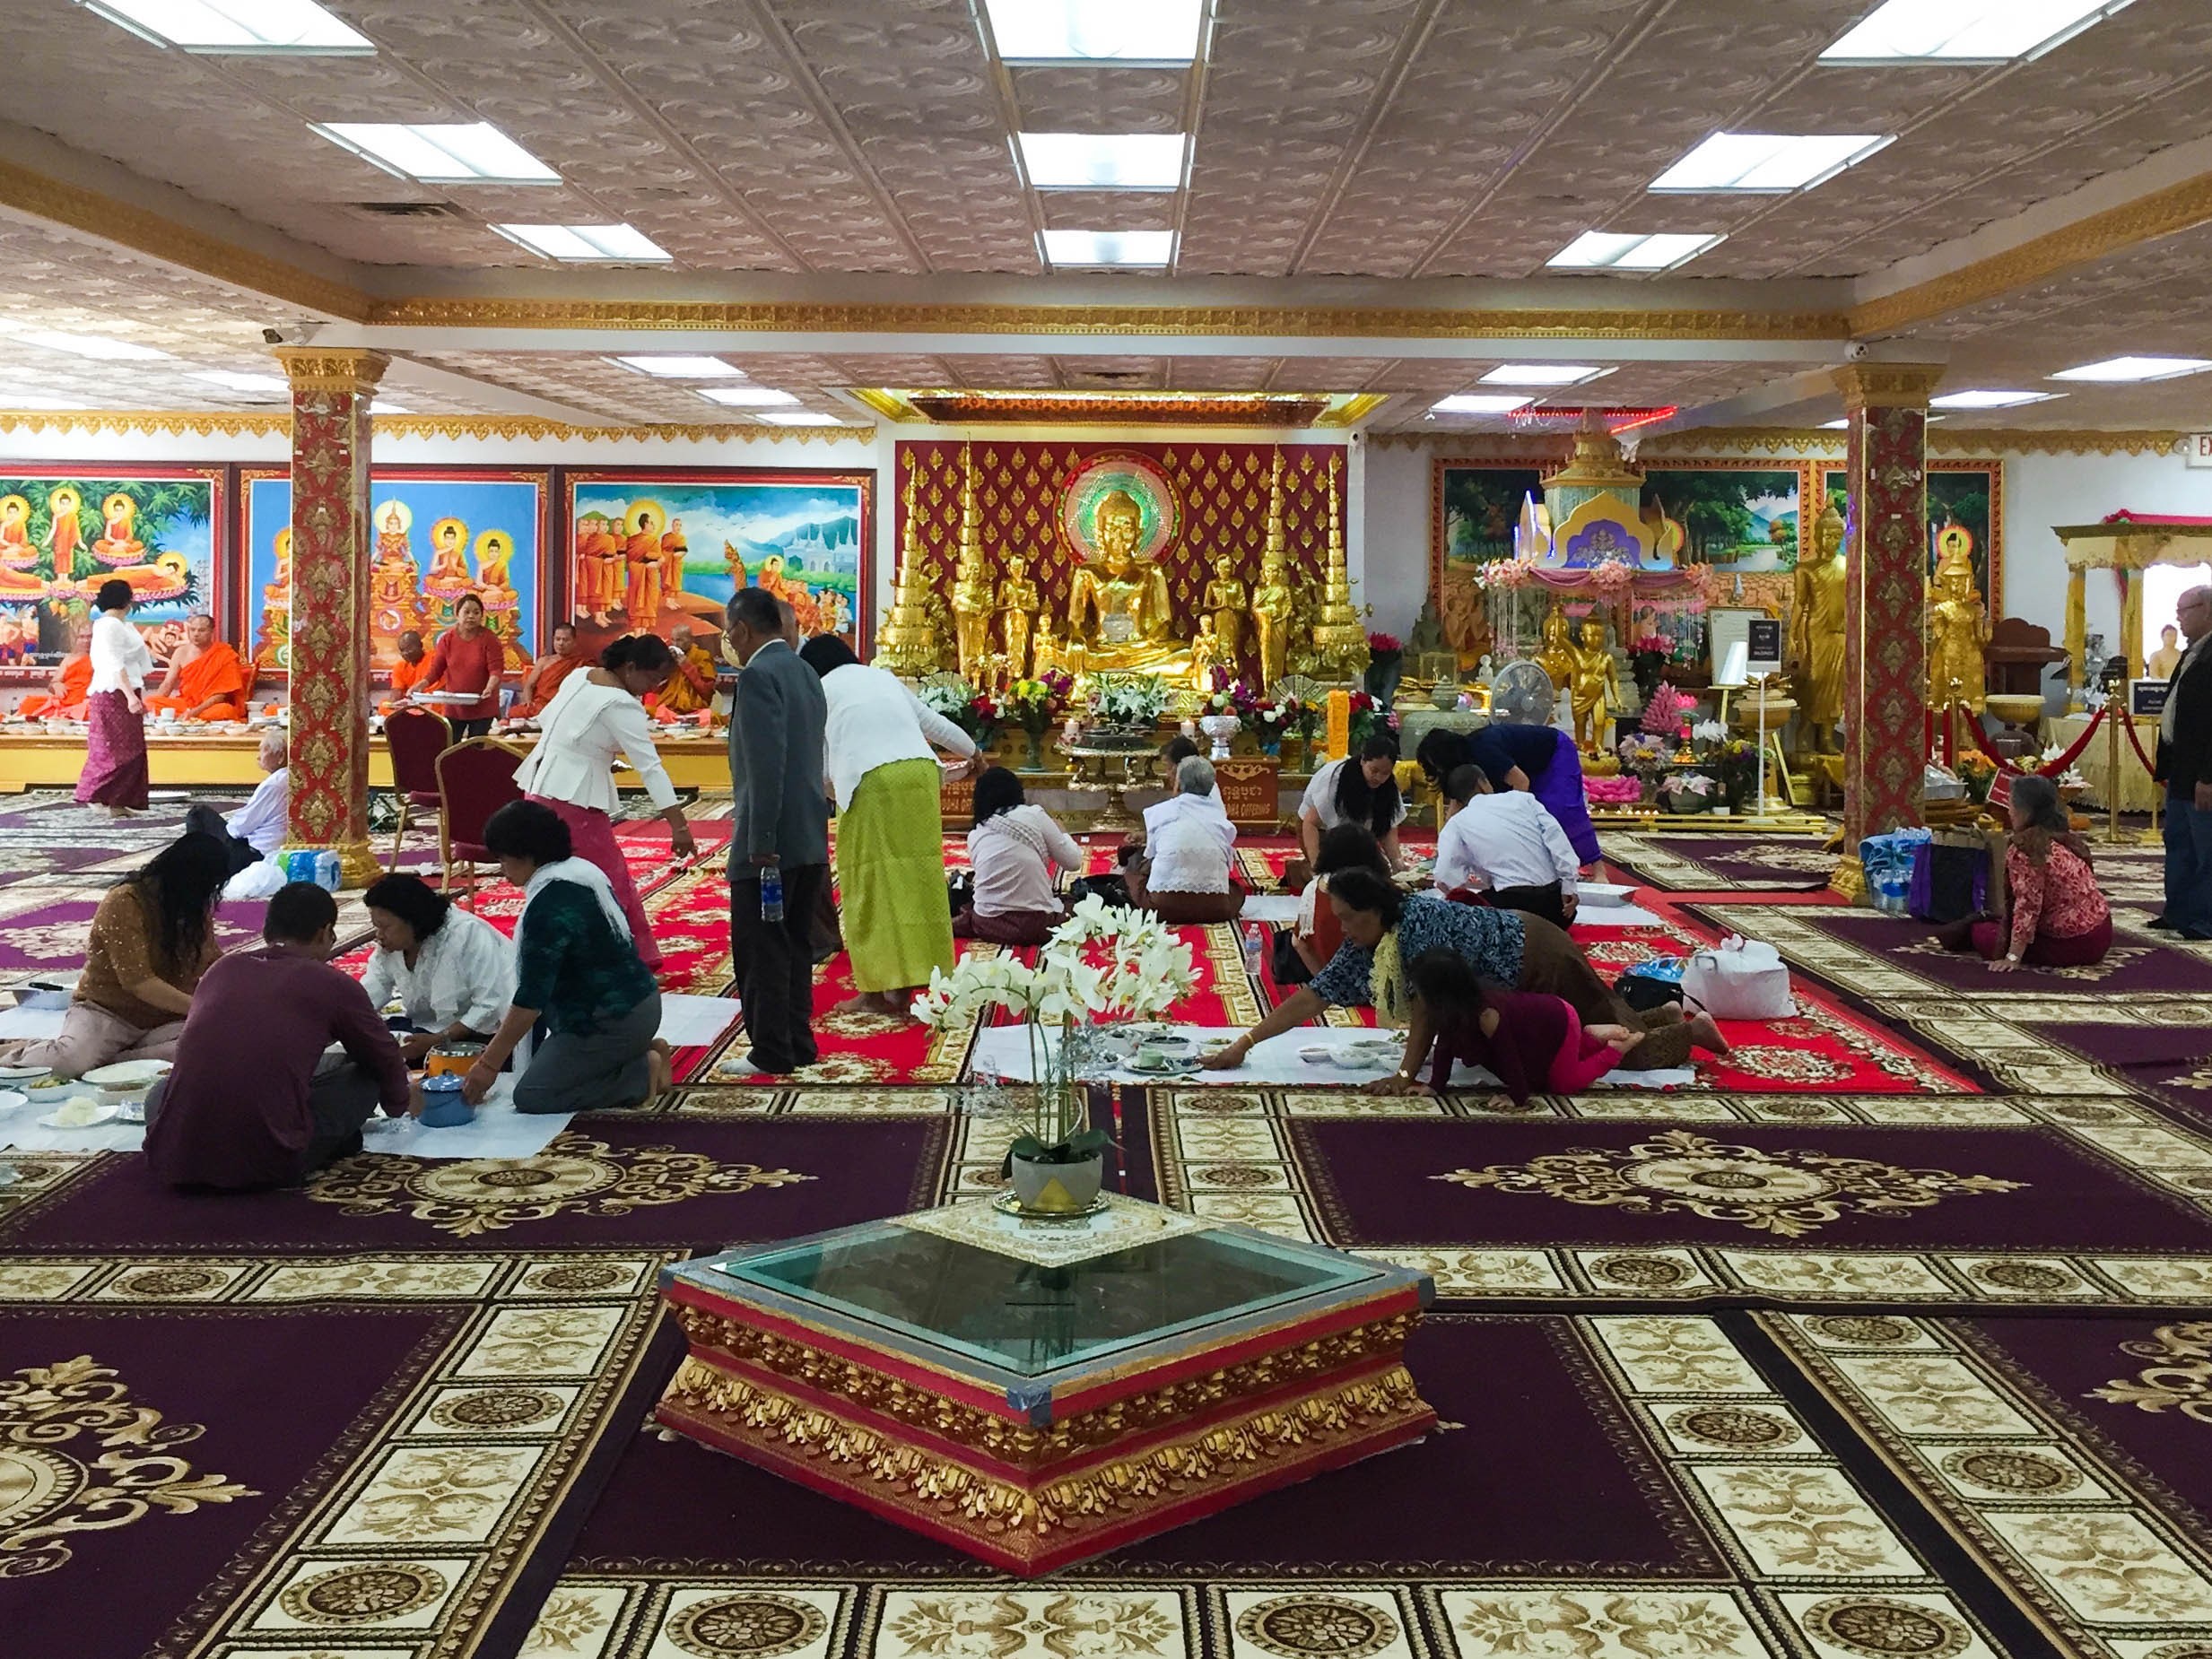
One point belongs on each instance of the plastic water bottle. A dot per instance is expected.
(1255, 950)
(771, 893)
(326, 871)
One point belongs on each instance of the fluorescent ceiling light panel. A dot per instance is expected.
(472, 153)
(1103, 161)
(802, 417)
(676, 367)
(1479, 403)
(235, 25)
(2128, 369)
(1123, 247)
(746, 396)
(233, 380)
(1991, 400)
(1542, 374)
(87, 345)
(1966, 31)
(1060, 31)
(1615, 250)
(583, 244)
(1766, 163)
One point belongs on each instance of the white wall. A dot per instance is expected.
(1393, 512)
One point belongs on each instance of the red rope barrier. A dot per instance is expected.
(2052, 768)
(2136, 743)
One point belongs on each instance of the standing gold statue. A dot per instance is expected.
(1205, 652)
(1272, 603)
(971, 617)
(1596, 686)
(1118, 611)
(1815, 659)
(1225, 599)
(1017, 614)
(1959, 627)
(1555, 651)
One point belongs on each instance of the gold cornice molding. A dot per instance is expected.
(1362, 322)
(160, 237)
(352, 372)
(1354, 409)
(1887, 386)
(2163, 212)
(215, 423)
(1795, 443)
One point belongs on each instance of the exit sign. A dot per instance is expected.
(2198, 448)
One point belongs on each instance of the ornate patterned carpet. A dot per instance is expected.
(1715, 864)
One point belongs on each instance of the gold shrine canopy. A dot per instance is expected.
(2126, 543)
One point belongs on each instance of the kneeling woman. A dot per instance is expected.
(2057, 916)
(453, 971)
(576, 967)
(1014, 850)
(1383, 930)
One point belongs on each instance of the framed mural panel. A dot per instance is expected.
(1740, 517)
(648, 548)
(64, 529)
(1474, 506)
(1967, 495)
(437, 534)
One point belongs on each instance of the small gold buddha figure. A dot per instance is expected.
(1226, 598)
(1118, 610)
(1273, 602)
(1815, 654)
(1017, 614)
(1555, 651)
(1205, 654)
(971, 617)
(1958, 628)
(1594, 686)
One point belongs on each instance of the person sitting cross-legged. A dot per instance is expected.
(1182, 875)
(250, 833)
(254, 1101)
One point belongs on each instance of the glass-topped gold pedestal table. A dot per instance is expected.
(1035, 1393)
(1112, 763)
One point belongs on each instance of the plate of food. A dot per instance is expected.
(80, 1112)
(125, 1074)
(20, 1074)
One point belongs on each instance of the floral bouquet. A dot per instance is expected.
(1275, 718)
(1236, 699)
(1367, 719)
(975, 712)
(1977, 771)
(1652, 645)
(1033, 705)
(1503, 573)
(1690, 792)
(1136, 701)
(1643, 755)
(1384, 647)
(1664, 711)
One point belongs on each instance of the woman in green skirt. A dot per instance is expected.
(884, 776)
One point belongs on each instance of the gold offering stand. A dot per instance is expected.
(1111, 761)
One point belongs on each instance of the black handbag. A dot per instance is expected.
(1642, 993)
(1113, 889)
(960, 889)
(1284, 964)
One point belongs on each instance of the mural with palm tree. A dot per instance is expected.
(62, 535)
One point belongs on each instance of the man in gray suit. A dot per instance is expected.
(781, 819)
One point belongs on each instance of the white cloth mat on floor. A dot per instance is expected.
(1600, 917)
(1275, 1064)
(36, 1024)
(1280, 909)
(694, 1021)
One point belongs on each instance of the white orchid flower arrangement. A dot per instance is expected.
(1104, 963)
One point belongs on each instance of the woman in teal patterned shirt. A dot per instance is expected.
(576, 967)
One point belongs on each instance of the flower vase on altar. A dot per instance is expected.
(1220, 729)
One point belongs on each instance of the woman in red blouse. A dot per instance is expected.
(2059, 918)
(470, 658)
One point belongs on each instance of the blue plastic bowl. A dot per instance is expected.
(444, 1109)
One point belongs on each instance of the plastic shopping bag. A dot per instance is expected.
(1887, 860)
(1742, 979)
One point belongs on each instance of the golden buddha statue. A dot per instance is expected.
(1958, 628)
(1205, 654)
(1225, 599)
(1555, 651)
(1272, 604)
(1118, 610)
(1594, 686)
(1017, 614)
(971, 616)
(1815, 655)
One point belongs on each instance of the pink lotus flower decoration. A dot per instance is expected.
(1613, 791)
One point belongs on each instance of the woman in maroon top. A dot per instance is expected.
(471, 658)
(1529, 1041)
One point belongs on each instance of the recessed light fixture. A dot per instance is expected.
(231, 379)
(1542, 374)
(1615, 250)
(1989, 399)
(1966, 31)
(472, 152)
(677, 367)
(298, 26)
(86, 345)
(1479, 403)
(1103, 161)
(586, 244)
(2126, 369)
(1063, 31)
(1122, 247)
(746, 396)
(1766, 163)
(802, 417)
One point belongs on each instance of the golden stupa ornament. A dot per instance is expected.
(972, 598)
(1272, 601)
(1339, 638)
(904, 644)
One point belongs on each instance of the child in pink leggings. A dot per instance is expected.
(1529, 1041)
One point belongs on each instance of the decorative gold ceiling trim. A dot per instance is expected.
(1354, 409)
(1364, 322)
(216, 424)
(352, 373)
(1887, 386)
(1813, 443)
(890, 405)
(2163, 212)
(161, 237)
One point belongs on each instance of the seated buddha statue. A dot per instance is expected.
(1117, 609)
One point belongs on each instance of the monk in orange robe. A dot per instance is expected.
(691, 686)
(412, 663)
(206, 680)
(545, 676)
(71, 683)
(641, 594)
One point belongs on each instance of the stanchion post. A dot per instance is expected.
(2113, 715)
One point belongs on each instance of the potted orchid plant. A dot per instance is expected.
(1104, 963)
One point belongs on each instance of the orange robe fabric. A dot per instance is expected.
(76, 685)
(215, 671)
(641, 596)
(690, 688)
(550, 672)
(405, 674)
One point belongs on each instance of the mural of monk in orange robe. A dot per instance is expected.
(64, 694)
(206, 680)
(641, 596)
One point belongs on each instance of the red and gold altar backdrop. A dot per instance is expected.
(1023, 487)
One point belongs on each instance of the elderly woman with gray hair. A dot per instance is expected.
(1520, 749)
(1183, 873)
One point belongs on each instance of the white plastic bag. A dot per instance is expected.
(1742, 979)
(260, 880)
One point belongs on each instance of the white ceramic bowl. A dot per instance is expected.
(53, 1094)
(1318, 1054)
(128, 1074)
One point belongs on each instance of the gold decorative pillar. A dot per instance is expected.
(2076, 632)
(1885, 602)
(328, 750)
(2132, 619)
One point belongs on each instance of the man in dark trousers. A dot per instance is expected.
(2185, 768)
(780, 821)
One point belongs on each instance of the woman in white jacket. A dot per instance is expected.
(889, 848)
(115, 755)
(595, 716)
